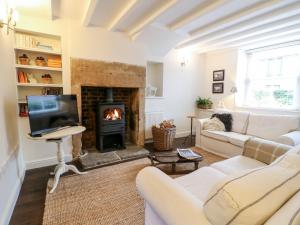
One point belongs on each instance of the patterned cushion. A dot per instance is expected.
(253, 196)
(264, 150)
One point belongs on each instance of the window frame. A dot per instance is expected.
(243, 95)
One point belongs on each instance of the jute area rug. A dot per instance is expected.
(104, 196)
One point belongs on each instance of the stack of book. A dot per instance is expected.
(54, 62)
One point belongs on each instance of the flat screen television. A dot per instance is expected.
(48, 113)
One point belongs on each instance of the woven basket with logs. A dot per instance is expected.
(163, 135)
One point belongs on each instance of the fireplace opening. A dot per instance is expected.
(111, 116)
(110, 123)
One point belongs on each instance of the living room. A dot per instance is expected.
(220, 78)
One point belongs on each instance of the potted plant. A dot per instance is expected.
(204, 103)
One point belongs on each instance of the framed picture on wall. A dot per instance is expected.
(218, 88)
(218, 75)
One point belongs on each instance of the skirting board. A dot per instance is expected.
(45, 162)
(7, 213)
(12, 169)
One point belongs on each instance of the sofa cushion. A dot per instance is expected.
(270, 127)
(288, 214)
(237, 164)
(226, 119)
(231, 137)
(264, 150)
(253, 196)
(201, 181)
(213, 124)
(239, 120)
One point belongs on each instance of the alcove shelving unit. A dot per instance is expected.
(38, 66)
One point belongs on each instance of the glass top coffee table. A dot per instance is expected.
(172, 157)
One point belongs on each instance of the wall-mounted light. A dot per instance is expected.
(184, 57)
(8, 17)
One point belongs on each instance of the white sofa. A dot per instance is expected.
(180, 201)
(279, 128)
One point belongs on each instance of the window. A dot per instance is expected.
(272, 78)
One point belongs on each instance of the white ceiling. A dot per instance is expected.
(199, 25)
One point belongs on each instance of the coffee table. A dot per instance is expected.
(171, 157)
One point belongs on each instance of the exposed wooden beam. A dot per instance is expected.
(254, 43)
(275, 15)
(272, 41)
(289, 23)
(201, 10)
(122, 14)
(55, 9)
(265, 36)
(150, 18)
(89, 12)
(235, 17)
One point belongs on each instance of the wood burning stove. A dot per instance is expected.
(110, 124)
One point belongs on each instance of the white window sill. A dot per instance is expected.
(269, 109)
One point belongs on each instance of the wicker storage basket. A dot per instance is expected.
(163, 138)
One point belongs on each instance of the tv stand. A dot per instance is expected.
(58, 137)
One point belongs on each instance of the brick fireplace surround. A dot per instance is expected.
(98, 75)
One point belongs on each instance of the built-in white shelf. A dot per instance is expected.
(38, 67)
(22, 101)
(28, 42)
(154, 97)
(38, 85)
(39, 50)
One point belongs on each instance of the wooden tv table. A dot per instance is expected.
(58, 137)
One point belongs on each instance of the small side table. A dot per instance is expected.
(58, 137)
(192, 117)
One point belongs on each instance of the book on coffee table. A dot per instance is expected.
(188, 153)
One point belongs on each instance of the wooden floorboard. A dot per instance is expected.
(29, 208)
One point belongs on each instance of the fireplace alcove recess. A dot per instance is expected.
(90, 80)
(110, 122)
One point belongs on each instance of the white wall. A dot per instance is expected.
(233, 62)
(11, 159)
(220, 60)
(182, 85)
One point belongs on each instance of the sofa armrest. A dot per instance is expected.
(199, 123)
(174, 204)
(199, 127)
(292, 138)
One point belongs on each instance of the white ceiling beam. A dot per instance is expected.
(190, 17)
(265, 39)
(277, 26)
(150, 18)
(55, 9)
(87, 17)
(235, 17)
(275, 15)
(272, 34)
(113, 24)
(272, 41)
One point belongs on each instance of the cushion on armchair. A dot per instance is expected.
(253, 196)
